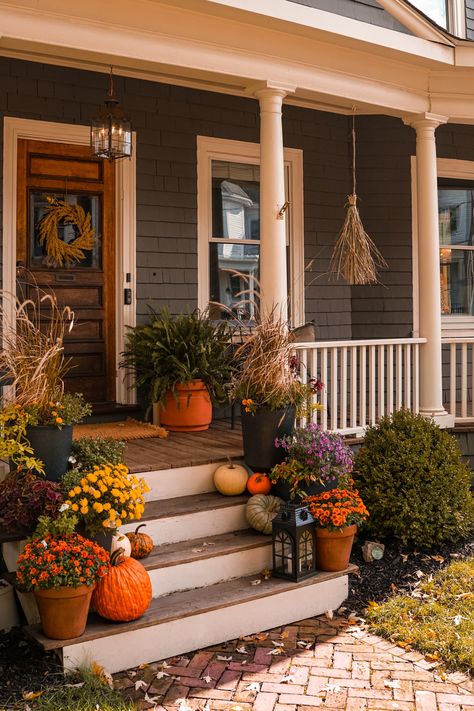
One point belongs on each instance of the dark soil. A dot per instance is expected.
(398, 571)
(24, 667)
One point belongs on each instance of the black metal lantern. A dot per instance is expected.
(294, 543)
(111, 130)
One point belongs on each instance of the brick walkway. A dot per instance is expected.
(330, 664)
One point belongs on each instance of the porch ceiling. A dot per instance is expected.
(211, 46)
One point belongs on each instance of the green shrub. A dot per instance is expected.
(88, 451)
(414, 483)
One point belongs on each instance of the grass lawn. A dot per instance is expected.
(436, 619)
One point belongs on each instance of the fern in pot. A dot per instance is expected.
(183, 363)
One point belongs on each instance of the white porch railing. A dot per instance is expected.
(458, 378)
(363, 380)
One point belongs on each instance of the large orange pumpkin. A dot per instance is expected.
(123, 594)
(259, 484)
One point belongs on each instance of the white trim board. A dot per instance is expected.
(453, 326)
(209, 149)
(125, 225)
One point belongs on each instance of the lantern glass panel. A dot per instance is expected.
(306, 552)
(283, 549)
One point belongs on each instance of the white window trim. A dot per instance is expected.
(209, 149)
(457, 17)
(125, 224)
(457, 326)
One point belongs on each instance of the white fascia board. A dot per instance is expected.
(437, 48)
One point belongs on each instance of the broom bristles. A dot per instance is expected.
(355, 256)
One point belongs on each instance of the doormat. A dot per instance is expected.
(124, 430)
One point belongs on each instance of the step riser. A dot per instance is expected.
(182, 481)
(129, 649)
(195, 525)
(201, 573)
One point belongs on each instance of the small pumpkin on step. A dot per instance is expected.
(259, 484)
(141, 543)
(230, 479)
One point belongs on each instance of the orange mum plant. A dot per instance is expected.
(337, 509)
(57, 557)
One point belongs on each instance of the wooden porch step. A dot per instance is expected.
(184, 621)
(190, 517)
(207, 561)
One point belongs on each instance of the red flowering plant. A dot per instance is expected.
(24, 497)
(337, 509)
(58, 557)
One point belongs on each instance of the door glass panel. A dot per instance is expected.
(38, 257)
(456, 230)
(235, 201)
(234, 273)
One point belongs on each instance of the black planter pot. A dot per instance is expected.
(282, 489)
(102, 539)
(259, 431)
(52, 446)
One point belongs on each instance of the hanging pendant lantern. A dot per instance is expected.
(111, 130)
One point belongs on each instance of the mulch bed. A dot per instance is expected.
(399, 571)
(24, 667)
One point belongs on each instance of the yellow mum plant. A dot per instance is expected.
(106, 497)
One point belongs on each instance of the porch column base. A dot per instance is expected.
(443, 419)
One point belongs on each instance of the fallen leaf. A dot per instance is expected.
(266, 573)
(220, 658)
(432, 657)
(393, 588)
(207, 679)
(165, 665)
(208, 543)
(255, 582)
(30, 695)
(143, 666)
(404, 557)
(197, 550)
(420, 574)
(457, 620)
(261, 636)
(152, 699)
(395, 684)
(254, 686)
(183, 707)
(288, 680)
(140, 684)
(438, 558)
(277, 650)
(329, 614)
(132, 673)
(75, 686)
(304, 645)
(278, 644)
(241, 650)
(161, 674)
(372, 605)
(285, 634)
(334, 688)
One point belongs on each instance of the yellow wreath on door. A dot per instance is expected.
(62, 253)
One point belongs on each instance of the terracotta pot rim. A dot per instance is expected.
(196, 384)
(346, 531)
(63, 591)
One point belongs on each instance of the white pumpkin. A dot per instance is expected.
(120, 540)
(230, 479)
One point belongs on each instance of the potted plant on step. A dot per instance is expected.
(268, 385)
(316, 460)
(33, 364)
(62, 568)
(183, 363)
(336, 513)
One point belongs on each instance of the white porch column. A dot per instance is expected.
(273, 270)
(431, 398)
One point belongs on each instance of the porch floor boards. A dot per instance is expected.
(185, 449)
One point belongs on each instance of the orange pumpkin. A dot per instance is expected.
(259, 484)
(123, 594)
(142, 543)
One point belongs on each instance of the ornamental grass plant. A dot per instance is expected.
(106, 497)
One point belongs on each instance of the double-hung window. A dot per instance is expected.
(229, 263)
(450, 14)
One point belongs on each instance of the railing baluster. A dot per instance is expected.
(452, 379)
(408, 376)
(353, 385)
(334, 385)
(464, 380)
(416, 378)
(389, 409)
(343, 415)
(363, 386)
(381, 377)
(314, 374)
(372, 374)
(324, 392)
(399, 379)
(304, 375)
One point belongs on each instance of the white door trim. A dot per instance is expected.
(125, 221)
(209, 149)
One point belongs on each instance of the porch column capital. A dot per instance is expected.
(429, 282)
(425, 121)
(271, 90)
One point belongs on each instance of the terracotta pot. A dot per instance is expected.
(187, 410)
(333, 548)
(63, 611)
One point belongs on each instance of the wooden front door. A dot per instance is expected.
(68, 173)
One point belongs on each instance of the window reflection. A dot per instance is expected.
(436, 10)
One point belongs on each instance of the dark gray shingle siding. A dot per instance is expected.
(365, 10)
(470, 19)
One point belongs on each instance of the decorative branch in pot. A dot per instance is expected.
(183, 363)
